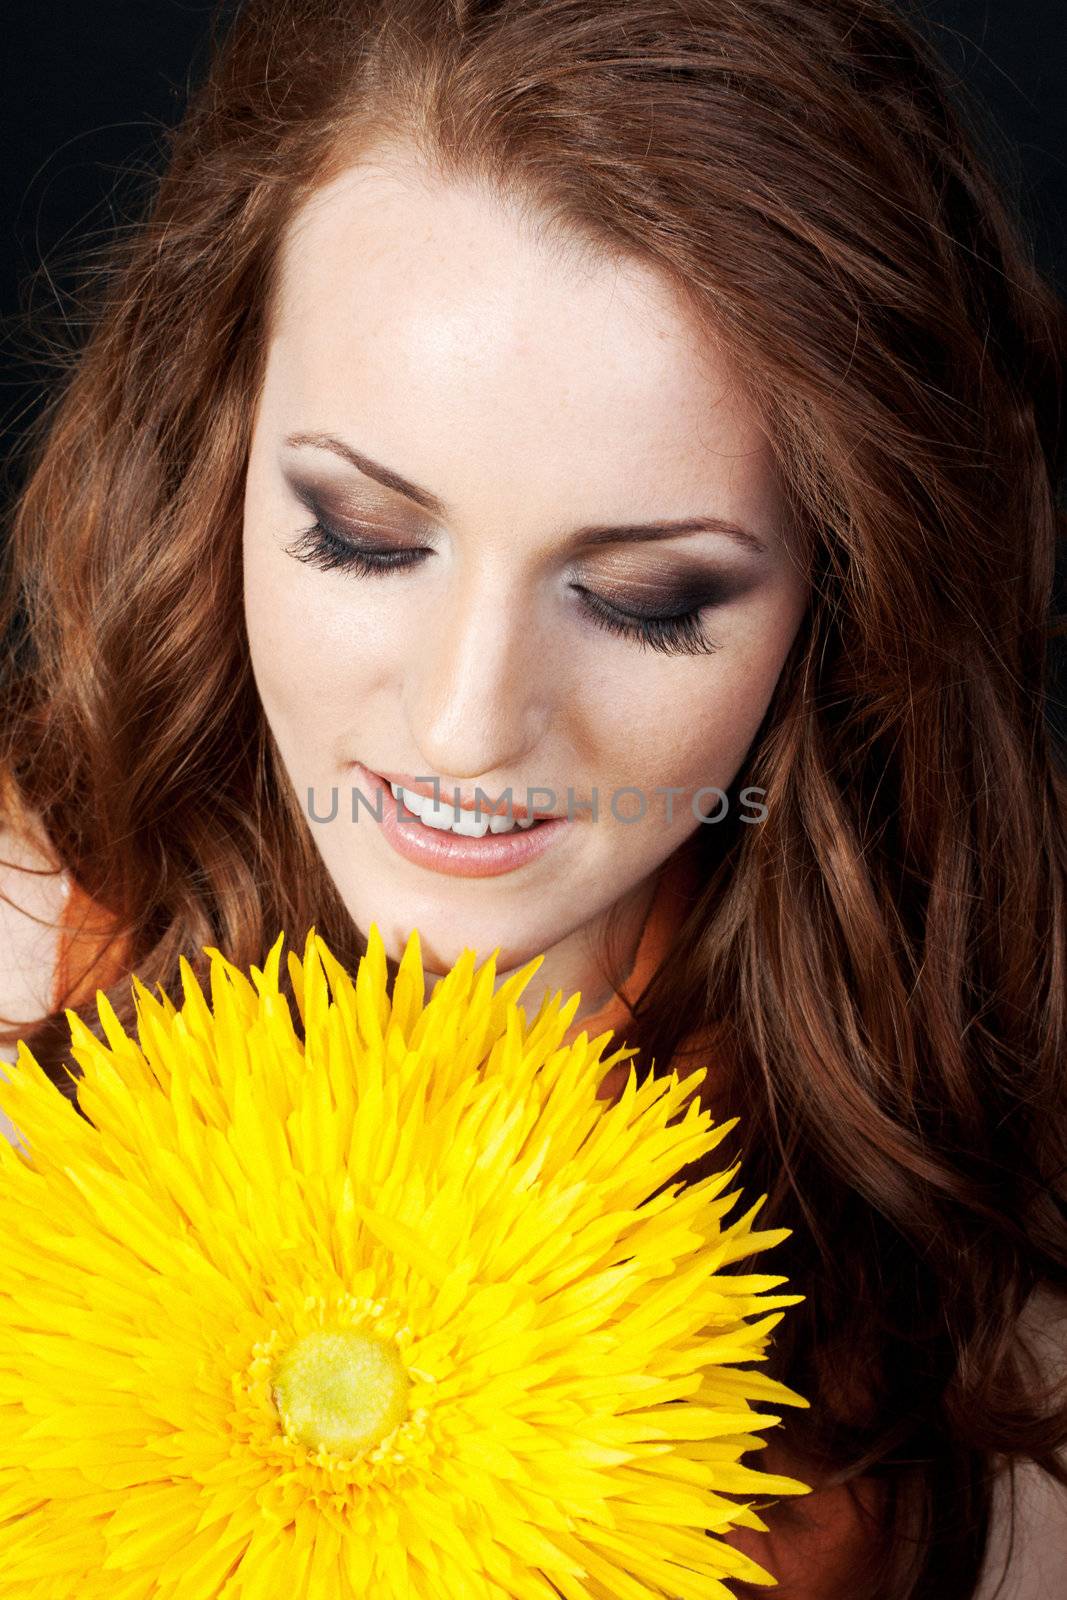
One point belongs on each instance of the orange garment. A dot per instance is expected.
(811, 1540)
(88, 957)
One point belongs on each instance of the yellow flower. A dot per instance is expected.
(383, 1304)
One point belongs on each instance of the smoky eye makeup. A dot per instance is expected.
(645, 599)
(372, 515)
(662, 589)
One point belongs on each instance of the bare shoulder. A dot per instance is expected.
(32, 897)
(1038, 1542)
(1043, 1325)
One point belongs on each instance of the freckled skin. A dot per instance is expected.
(533, 389)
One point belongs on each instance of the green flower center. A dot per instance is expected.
(340, 1392)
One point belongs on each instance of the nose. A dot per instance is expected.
(477, 690)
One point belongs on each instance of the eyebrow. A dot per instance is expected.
(595, 533)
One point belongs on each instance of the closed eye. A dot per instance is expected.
(324, 548)
(673, 633)
(677, 633)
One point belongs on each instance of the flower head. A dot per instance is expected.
(383, 1301)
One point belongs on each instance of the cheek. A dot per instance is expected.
(286, 653)
(691, 721)
(319, 644)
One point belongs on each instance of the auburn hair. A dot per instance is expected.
(885, 955)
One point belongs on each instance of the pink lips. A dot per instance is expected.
(444, 851)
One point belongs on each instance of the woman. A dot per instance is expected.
(645, 415)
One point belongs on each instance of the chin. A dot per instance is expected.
(445, 932)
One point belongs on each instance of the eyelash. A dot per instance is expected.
(680, 634)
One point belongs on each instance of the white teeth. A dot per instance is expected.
(468, 824)
(436, 814)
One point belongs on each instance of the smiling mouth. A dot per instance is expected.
(457, 840)
(465, 822)
(442, 808)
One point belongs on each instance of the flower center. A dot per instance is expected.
(340, 1391)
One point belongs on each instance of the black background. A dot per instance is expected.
(90, 86)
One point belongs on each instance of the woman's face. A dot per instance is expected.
(493, 408)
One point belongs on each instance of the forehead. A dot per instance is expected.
(404, 299)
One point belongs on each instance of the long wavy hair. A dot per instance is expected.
(884, 956)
